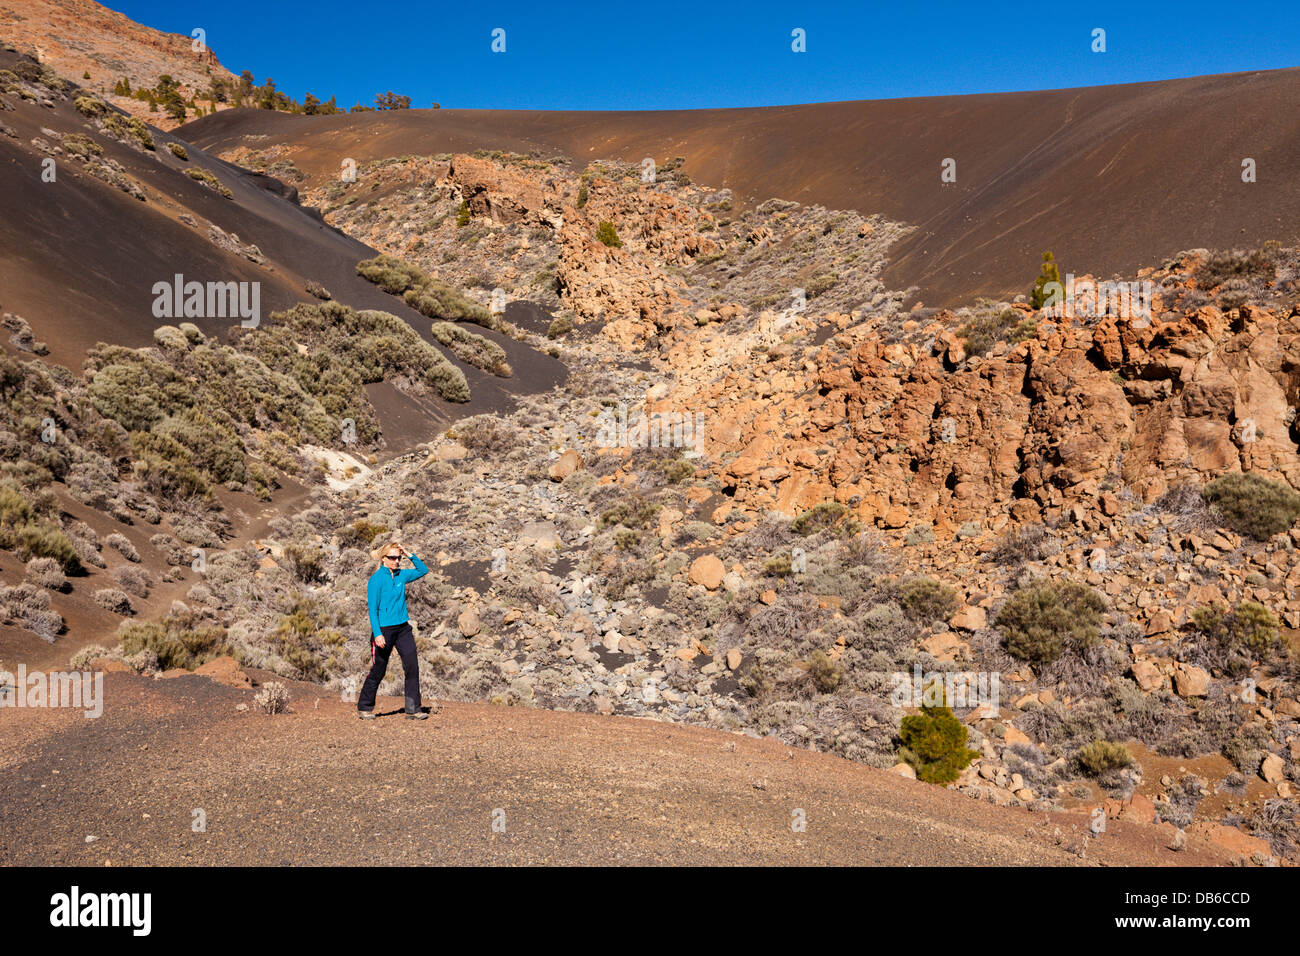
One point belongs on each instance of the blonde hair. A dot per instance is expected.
(378, 553)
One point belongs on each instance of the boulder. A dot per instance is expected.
(971, 617)
(707, 570)
(1138, 809)
(1273, 769)
(1147, 675)
(1191, 681)
(467, 622)
(567, 464)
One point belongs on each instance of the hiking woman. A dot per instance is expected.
(389, 628)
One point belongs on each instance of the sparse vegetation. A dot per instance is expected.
(177, 641)
(24, 529)
(826, 674)
(427, 295)
(208, 179)
(818, 518)
(273, 698)
(1253, 505)
(472, 348)
(1249, 626)
(607, 235)
(1223, 267)
(1043, 619)
(926, 600)
(1102, 756)
(988, 328)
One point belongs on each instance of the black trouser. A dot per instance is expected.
(403, 638)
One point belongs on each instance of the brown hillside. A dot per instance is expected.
(1109, 178)
(82, 257)
(75, 37)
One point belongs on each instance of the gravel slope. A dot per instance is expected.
(318, 786)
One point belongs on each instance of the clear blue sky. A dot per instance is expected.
(664, 54)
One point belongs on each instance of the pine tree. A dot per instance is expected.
(934, 744)
(1050, 273)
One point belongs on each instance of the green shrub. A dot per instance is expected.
(301, 641)
(1222, 266)
(826, 674)
(634, 512)
(779, 566)
(306, 563)
(1248, 625)
(674, 470)
(179, 151)
(209, 180)
(1253, 505)
(360, 534)
(40, 538)
(128, 129)
(606, 234)
(429, 296)
(934, 745)
(986, 330)
(346, 350)
(473, 349)
(25, 531)
(463, 215)
(1101, 756)
(78, 144)
(561, 325)
(90, 105)
(166, 467)
(926, 600)
(1040, 620)
(176, 641)
(818, 518)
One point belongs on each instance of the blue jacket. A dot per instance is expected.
(386, 594)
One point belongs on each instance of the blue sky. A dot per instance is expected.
(664, 54)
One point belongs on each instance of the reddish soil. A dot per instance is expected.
(318, 786)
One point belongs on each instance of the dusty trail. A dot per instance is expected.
(317, 786)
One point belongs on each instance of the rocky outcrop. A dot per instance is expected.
(627, 285)
(503, 194)
(905, 433)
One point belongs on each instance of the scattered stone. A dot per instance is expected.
(707, 570)
(468, 623)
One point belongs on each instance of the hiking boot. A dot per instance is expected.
(366, 714)
(416, 715)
